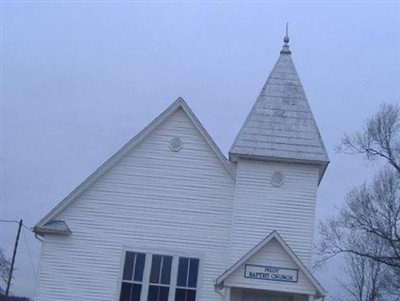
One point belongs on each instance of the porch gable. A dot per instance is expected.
(271, 266)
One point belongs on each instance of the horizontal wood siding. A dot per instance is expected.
(271, 255)
(153, 199)
(260, 207)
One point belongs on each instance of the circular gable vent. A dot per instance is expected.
(175, 144)
(277, 179)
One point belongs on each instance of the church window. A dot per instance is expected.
(155, 277)
(132, 278)
(188, 269)
(160, 277)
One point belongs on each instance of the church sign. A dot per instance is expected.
(271, 273)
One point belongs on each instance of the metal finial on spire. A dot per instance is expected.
(285, 48)
(286, 38)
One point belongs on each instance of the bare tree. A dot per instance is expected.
(370, 213)
(4, 270)
(367, 279)
(380, 137)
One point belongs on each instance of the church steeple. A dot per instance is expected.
(281, 126)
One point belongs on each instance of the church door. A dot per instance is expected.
(263, 296)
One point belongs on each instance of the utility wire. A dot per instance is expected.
(29, 254)
(8, 221)
(17, 222)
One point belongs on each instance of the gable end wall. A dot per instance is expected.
(153, 199)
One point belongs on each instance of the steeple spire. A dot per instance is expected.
(281, 126)
(285, 48)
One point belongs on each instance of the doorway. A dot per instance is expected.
(256, 295)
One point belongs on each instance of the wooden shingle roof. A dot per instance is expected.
(281, 126)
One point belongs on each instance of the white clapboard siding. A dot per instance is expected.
(271, 254)
(153, 199)
(260, 207)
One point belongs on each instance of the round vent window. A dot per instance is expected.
(277, 179)
(175, 144)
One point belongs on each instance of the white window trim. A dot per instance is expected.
(147, 267)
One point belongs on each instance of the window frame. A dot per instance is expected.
(149, 252)
(187, 287)
(132, 281)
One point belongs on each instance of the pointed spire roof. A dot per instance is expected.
(281, 126)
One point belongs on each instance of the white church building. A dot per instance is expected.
(170, 218)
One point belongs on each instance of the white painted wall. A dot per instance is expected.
(152, 199)
(260, 207)
(175, 202)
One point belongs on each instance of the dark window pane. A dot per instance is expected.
(193, 271)
(158, 293)
(139, 267)
(130, 292)
(185, 295)
(153, 293)
(128, 267)
(166, 270)
(180, 294)
(190, 295)
(155, 269)
(126, 289)
(136, 291)
(182, 271)
(163, 293)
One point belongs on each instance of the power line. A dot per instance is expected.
(8, 221)
(17, 222)
(29, 254)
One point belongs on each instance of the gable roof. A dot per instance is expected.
(219, 283)
(281, 126)
(47, 223)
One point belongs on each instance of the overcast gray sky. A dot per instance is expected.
(79, 79)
